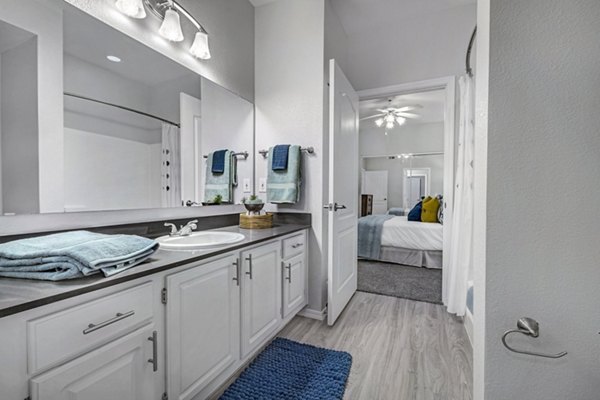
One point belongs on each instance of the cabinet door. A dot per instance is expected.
(202, 325)
(294, 283)
(261, 295)
(118, 370)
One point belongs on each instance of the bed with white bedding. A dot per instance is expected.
(395, 239)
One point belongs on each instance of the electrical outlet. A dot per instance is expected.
(246, 184)
(262, 185)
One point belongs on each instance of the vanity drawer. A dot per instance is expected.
(58, 337)
(294, 245)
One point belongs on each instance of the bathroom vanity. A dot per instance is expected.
(177, 327)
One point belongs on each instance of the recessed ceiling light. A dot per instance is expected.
(113, 59)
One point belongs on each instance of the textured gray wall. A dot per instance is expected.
(543, 226)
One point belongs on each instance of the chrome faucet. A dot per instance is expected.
(184, 230)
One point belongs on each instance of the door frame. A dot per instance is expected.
(410, 172)
(448, 85)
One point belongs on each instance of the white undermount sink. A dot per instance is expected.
(199, 240)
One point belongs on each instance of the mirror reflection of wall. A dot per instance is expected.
(137, 124)
(405, 162)
(18, 121)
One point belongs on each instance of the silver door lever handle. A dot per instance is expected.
(530, 327)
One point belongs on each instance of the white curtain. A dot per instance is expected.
(170, 166)
(461, 243)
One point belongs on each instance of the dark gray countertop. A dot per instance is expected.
(17, 295)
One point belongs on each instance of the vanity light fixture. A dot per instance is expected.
(131, 8)
(169, 11)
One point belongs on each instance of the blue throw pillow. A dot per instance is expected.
(415, 213)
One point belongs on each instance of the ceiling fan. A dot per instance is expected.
(392, 116)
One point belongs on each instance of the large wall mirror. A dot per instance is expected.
(138, 130)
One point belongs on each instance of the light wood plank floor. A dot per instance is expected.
(401, 349)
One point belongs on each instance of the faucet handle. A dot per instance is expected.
(173, 228)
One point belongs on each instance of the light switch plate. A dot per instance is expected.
(246, 184)
(262, 185)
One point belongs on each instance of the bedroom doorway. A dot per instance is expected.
(407, 136)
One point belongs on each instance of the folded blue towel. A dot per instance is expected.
(280, 157)
(283, 187)
(73, 255)
(218, 162)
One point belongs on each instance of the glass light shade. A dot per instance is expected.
(389, 118)
(200, 47)
(171, 26)
(379, 122)
(400, 120)
(390, 125)
(131, 8)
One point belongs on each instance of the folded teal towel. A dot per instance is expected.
(220, 184)
(283, 186)
(73, 255)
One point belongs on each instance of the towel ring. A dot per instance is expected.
(529, 327)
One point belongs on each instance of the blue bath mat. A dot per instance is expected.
(293, 371)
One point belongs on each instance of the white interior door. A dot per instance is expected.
(191, 153)
(376, 183)
(343, 192)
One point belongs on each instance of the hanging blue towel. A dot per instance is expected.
(280, 157)
(218, 162)
(73, 255)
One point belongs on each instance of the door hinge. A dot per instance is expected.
(165, 396)
(163, 296)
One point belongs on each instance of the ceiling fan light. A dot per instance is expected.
(131, 8)
(400, 120)
(171, 26)
(389, 118)
(379, 122)
(390, 125)
(200, 47)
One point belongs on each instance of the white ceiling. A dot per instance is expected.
(92, 40)
(361, 15)
(432, 103)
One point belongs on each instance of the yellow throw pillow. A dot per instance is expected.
(430, 208)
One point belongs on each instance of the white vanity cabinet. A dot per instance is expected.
(203, 316)
(122, 369)
(261, 295)
(295, 275)
(179, 333)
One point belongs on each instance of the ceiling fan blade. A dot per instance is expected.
(405, 108)
(408, 115)
(372, 116)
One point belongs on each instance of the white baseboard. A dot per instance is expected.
(314, 314)
(468, 322)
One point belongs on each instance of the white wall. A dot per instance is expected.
(290, 108)
(19, 129)
(108, 173)
(543, 168)
(425, 47)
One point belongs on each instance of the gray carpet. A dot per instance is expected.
(420, 284)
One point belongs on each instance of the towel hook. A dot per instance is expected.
(529, 327)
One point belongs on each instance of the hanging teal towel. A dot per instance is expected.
(283, 186)
(222, 183)
(73, 255)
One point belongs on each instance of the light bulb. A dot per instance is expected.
(200, 47)
(389, 118)
(390, 125)
(400, 120)
(379, 122)
(171, 26)
(131, 8)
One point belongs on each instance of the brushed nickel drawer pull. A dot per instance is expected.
(249, 259)
(154, 359)
(118, 317)
(289, 268)
(236, 278)
(295, 246)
